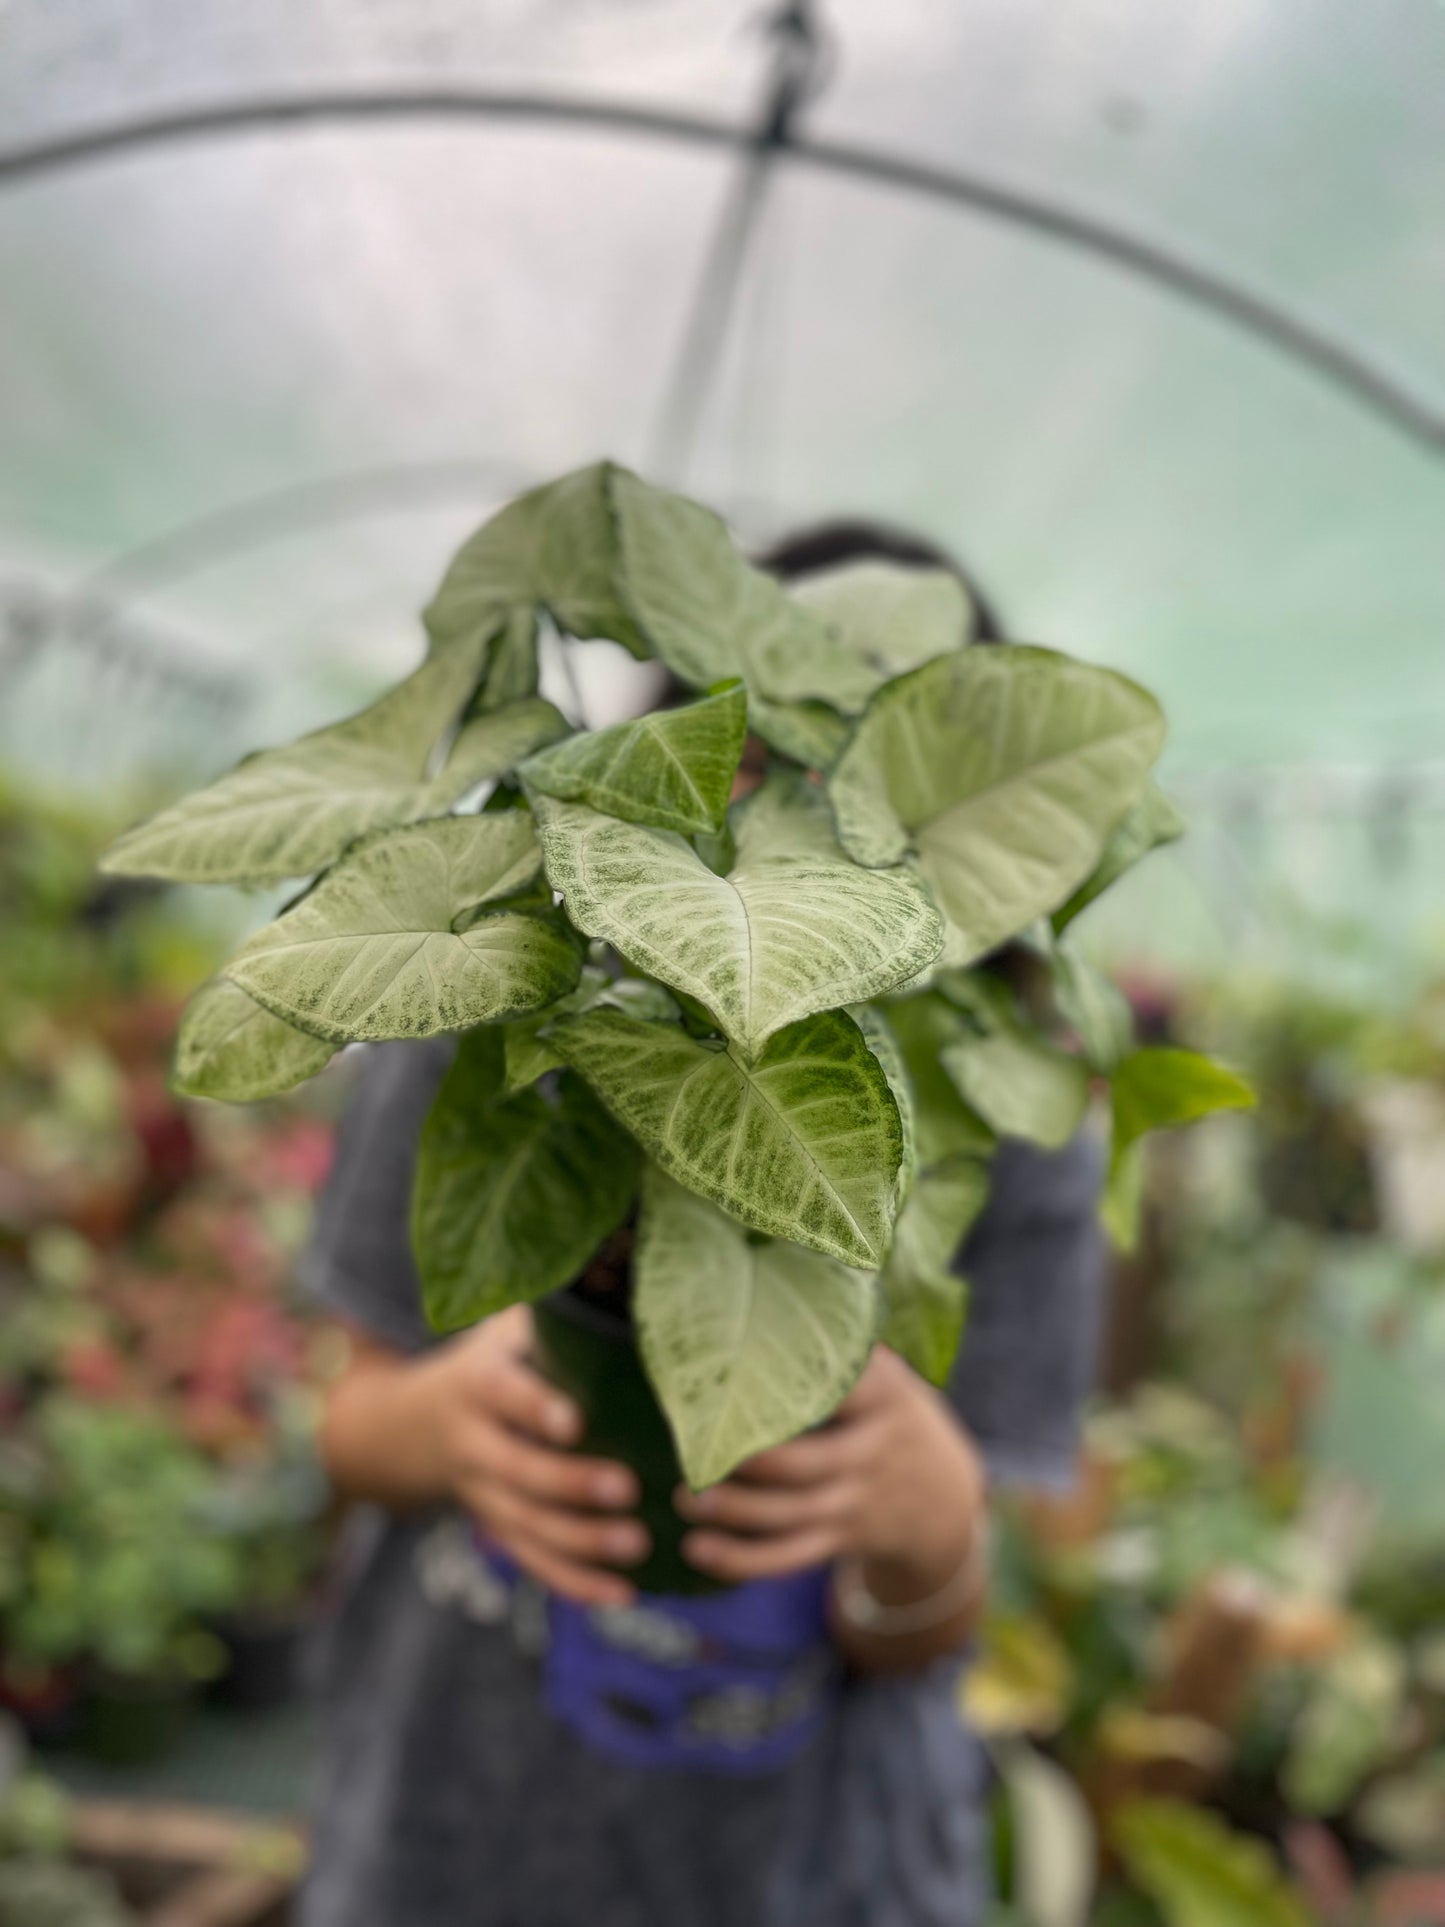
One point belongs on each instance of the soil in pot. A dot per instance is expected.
(586, 1346)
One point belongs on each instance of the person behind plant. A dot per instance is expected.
(516, 1739)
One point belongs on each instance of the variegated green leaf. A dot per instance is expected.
(1154, 819)
(289, 812)
(554, 548)
(747, 1343)
(673, 768)
(410, 935)
(779, 938)
(886, 619)
(924, 1298)
(512, 1194)
(704, 609)
(810, 733)
(530, 1053)
(806, 1143)
(1004, 770)
(944, 1126)
(1020, 1086)
(233, 1049)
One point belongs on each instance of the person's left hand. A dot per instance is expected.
(891, 1478)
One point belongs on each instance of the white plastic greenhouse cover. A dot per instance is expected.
(294, 291)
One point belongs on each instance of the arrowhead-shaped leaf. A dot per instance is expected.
(234, 1050)
(779, 938)
(924, 1298)
(810, 733)
(410, 935)
(1096, 1008)
(806, 1143)
(886, 619)
(1154, 819)
(704, 609)
(530, 1053)
(289, 812)
(1156, 1089)
(673, 768)
(512, 1195)
(554, 548)
(1004, 770)
(1020, 1086)
(746, 1343)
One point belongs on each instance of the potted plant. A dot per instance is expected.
(765, 1032)
(120, 1576)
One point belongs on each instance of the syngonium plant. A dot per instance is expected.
(768, 1019)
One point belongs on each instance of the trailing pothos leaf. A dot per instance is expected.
(804, 1143)
(924, 1298)
(512, 1194)
(289, 812)
(812, 1166)
(1003, 771)
(673, 769)
(232, 1048)
(779, 938)
(748, 1340)
(412, 934)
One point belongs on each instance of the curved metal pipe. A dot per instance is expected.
(1372, 386)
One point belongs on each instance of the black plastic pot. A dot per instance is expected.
(263, 1660)
(132, 1719)
(591, 1354)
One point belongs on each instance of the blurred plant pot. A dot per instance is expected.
(45, 1699)
(590, 1352)
(132, 1719)
(263, 1650)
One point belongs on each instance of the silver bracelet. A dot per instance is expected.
(962, 1589)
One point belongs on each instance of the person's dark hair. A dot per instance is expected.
(827, 545)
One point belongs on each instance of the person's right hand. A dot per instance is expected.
(502, 1428)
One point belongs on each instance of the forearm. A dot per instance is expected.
(381, 1430)
(898, 1615)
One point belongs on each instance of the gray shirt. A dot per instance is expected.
(451, 1797)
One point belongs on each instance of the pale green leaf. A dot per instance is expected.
(1198, 1871)
(1121, 1208)
(746, 1342)
(376, 949)
(288, 812)
(810, 733)
(1004, 770)
(554, 548)
(805, 1143)
(233, 1049)
(512, 667)
(924, 1298)
(1158, 1089)
(1154, 819)
(673, 768)
(530, 1053)
(878, 1035)
(704, 609)
(1095, 1008)
(512, 1194)
(1055, 1845)
(944, 1126)
(1020, 1086)
(886, 619)
(778, 939)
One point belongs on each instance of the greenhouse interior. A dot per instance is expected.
(760, 479)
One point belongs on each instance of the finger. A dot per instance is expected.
(737, 1560)
(758, 1508)
(834, 1452)
(563, 1478)
(586, 1585)
(578, 1536)
(522, 1397)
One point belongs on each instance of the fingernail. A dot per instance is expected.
(561, 1419)
(615, 1488)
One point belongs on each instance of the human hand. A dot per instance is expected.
(891, 1479)
(502, 1429)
